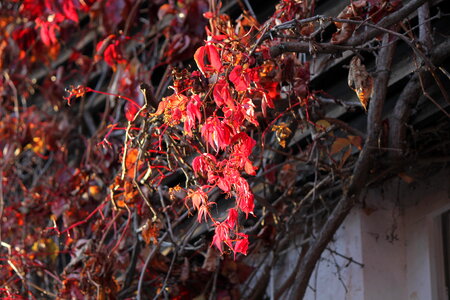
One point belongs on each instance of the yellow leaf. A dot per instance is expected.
(46, 247)
(322, 125)
(282, 132)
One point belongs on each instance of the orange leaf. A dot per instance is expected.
(338, 145)
(130, 162)
(345, 156)
(355, 141)
(150, 232)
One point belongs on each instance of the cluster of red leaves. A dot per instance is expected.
(222, 118)
(87, 194)
(48, 16)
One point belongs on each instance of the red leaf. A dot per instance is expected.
(209, 53)
(236, 77)
(221, 94)
(24, 37)
(130, 111)
(203, 163)
(32, 8)
(272, 88)
(249, 168)
(193, 114)
(244, 197)
(232, 217)
(266, 102)
(70, 10)
(214, 58)
(241, 245)
(208, 15)
(47, 31)
(199, 57)
(216, 133)
(222, 234)
(112, 53)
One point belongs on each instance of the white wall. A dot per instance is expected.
(334, 277)
(397, 238)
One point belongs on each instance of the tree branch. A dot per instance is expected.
(354, 43)
(408, 100)
(386, 22)
(360, 174)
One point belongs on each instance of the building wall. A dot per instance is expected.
(397, 236)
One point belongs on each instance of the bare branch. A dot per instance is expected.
(360, 174)
(356, 42)
(408, 100)
(386, 22)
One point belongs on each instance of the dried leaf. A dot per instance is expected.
(130, 162)
(150, 232)
(282, 132)
(406, 178)
(355, 141)
(287, 176)
(211, 260)
(184, 276)
(322, 125)
(345, 156)
(360, 81)
(338, 145)
(46, 247)
(345, 30)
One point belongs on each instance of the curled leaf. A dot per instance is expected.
(282, 132)
(345, 30)
(150, 232)
(208, 59)
(360, 81)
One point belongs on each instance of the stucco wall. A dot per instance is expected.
(397, 238)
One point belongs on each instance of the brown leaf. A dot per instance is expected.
(307, 29)
(235, 271)
(345, 30)
(211, 260)
(150, 232)
(322, 125)
(343, 34)
(360, 81)
(184, 276)
(287, 176)
(406, 178)
(355, 141)
(345, 156)
(338, 145)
